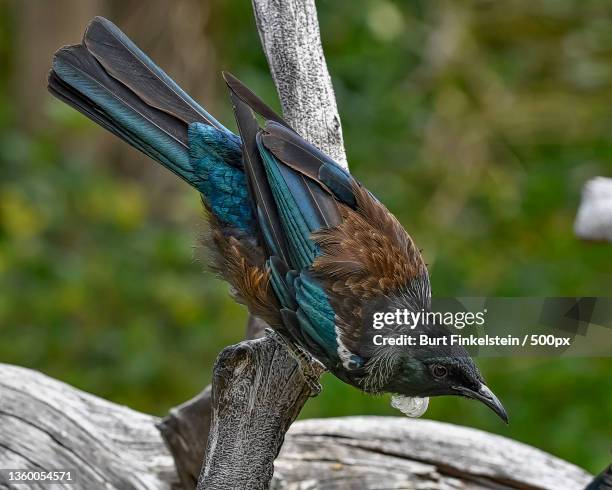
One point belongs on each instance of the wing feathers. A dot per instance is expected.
(306, 159)
(257, 179)
(124, 61)
(251, 99)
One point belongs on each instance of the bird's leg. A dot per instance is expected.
(311, 368)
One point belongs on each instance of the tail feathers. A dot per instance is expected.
(116, 85)
(125, 62)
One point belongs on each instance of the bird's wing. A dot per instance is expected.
(304, 208)
(307, 160)
(343, 247)
(361, 261)
(364, 259)
(250, 99)
(365, 263)
(291, 205)
(264, 207)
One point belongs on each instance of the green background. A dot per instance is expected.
(477, 123)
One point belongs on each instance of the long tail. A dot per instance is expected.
(115, 84)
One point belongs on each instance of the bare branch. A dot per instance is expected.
(289, 32)
(46, 425)
(250, 414)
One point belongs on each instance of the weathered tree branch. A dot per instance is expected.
(258, 389)
(49, 425)
(185, 432)
(185, 429)
(395, 452)
(46, 424)
(289, 32)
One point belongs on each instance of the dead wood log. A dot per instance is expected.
(46, 424)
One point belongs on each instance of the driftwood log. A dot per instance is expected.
(46, 424)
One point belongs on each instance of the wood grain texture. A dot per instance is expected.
(289, 33)
(395, 452)
(258, 391)
(186, 427)
(185, 432)
(47, 424)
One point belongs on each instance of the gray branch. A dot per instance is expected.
(398, 452)
(289, 32)
(258, 389)
(46, 424)
(49, 425)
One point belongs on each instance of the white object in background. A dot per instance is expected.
(594, 219)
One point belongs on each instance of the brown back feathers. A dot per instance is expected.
(242, 265)
(369, 253)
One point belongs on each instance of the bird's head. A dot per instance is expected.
(441, 371)
(430, 365)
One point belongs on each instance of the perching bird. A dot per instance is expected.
(303, 244)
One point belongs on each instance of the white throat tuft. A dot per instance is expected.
(413, 406)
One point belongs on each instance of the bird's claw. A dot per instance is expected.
(310, 367)
(311, 370)
(313, 384)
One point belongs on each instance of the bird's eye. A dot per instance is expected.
(439, 371)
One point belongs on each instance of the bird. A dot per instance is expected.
(302, 243)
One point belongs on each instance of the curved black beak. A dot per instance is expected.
(486, 396)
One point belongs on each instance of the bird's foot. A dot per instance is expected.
(310, 367)
(312, 370)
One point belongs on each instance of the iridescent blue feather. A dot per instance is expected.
(215, 156)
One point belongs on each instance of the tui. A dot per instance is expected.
(303, 244)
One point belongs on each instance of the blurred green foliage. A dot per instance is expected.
(475, 122)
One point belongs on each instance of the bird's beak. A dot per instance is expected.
(486, 396)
